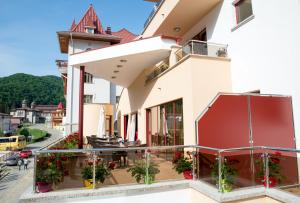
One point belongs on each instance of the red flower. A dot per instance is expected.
(275, 160)
(278, 153)
(112, 165)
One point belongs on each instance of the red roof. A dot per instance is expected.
(90, 18)
(126, 35)
(73, 25)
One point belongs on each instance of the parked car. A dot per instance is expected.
(12, 161)
(25, 153)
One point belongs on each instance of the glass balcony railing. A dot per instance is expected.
(225, 170)
(153, 12)
(162, 67)
(202, 48)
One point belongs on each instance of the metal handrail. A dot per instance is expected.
(42, 151)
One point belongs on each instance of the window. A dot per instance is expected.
(88, 78)
(243, 9)
(89, 30)
(165, 124)
(88, 99)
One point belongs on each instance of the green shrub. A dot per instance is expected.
(25, 132)
(1, 132)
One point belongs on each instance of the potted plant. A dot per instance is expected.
(48, 177)
(275, 176)
(183, 165)
(87, 176)
(140, 171)
(228, 175)
(42, 181)
(101, 173)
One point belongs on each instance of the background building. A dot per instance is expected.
(86, 35)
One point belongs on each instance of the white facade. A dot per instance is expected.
(264, 51)
(101, 90)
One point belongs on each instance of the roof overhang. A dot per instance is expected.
(65, 36)
(179, 17)
(123, 63)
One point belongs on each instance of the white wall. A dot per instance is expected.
(264, 51)
(100, 89)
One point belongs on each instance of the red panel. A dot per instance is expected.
(272, 121)
(225, 124)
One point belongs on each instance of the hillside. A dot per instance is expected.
(41, 89)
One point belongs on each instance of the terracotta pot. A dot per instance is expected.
(44, 187)
(188, 174)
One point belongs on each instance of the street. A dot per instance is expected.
(13, 185)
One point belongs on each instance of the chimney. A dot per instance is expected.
(108, 30)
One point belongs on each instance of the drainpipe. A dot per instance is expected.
(81, 95)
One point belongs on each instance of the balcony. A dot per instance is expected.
(192, 47)
(214, 173)
(202, 48)
(183, 14)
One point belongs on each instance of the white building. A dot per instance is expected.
(262, 37)
(86, 35)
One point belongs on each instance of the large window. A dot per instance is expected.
(165, 124)
(88, 99)
(243, 10)
(88, 78)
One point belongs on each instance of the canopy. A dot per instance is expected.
(123, 63)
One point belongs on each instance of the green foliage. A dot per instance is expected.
(37, 134)
(140, 169)
(275, 169)
(48, 175)
(1, 132)
(87, 172)
(183, 164)
(41, 89)
(25, 132)
(228, 175)
(101, 172)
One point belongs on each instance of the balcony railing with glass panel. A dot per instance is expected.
(225, 170)
(153, 12)
(160, 68)
(202, 48)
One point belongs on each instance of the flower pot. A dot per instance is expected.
(43, 187)
(188, 174)
(88, 183)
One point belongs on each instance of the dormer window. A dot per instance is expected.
(89, 30)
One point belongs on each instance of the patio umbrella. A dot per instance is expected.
(165, 123)
(132, 128)
(101, 124)
(128, 128)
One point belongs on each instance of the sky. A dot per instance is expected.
(28, 40)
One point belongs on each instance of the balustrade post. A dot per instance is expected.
(194, 164)
(220, 172)
(34, 173)
(147, 157)
(94, 169)
(267, 172)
